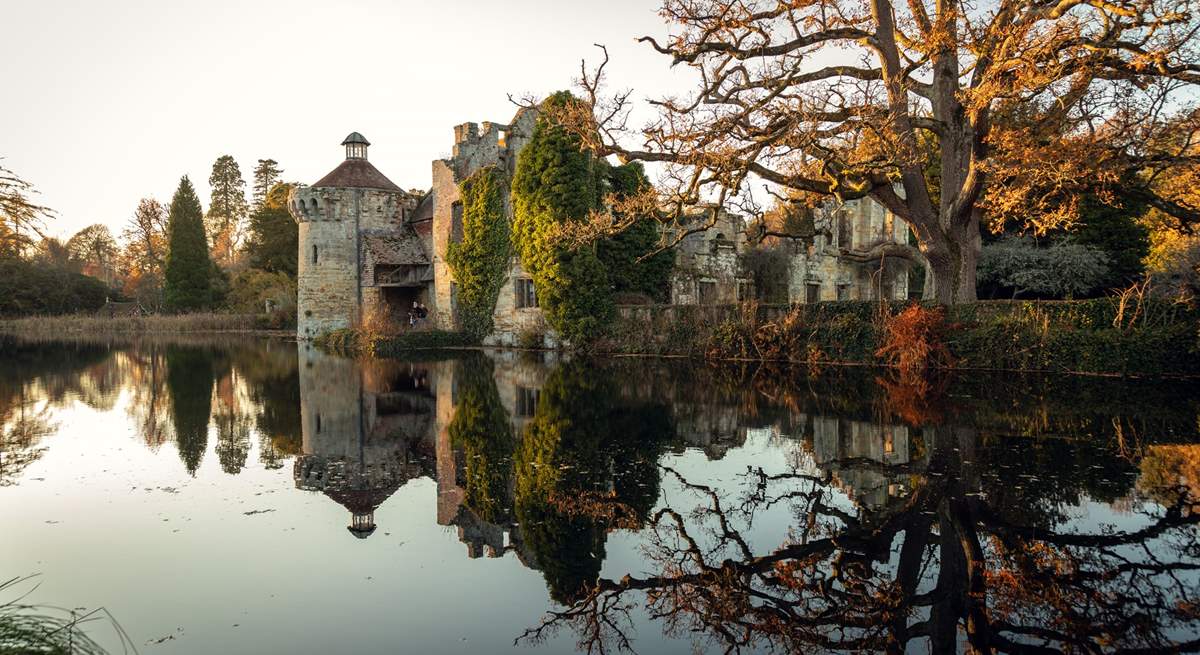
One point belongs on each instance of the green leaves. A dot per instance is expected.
(556, 183)
(189, 269)
(480, 261)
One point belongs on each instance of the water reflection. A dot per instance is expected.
(987, 513)
(367, 430)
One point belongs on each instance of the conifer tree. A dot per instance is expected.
(266, 176)
(274, 237)
(227, 207)
(188, 284)
(557, 183)
(622, 254)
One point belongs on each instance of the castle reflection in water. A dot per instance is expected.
(1071, 505)
(369, 427)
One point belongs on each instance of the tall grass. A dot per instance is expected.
(50, 630)
(92, 324)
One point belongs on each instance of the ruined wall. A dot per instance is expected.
(476, 147)
(838, 278)
(709, 261)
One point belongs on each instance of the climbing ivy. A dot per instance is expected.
(480, 261)
(557, 183)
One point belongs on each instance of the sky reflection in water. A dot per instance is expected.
(245, 497)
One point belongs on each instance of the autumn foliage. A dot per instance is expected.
(912, 341)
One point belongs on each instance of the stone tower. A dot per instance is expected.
(334, 215)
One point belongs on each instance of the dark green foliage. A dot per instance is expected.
(41, 288)
(1017, 266)
(554, 179)
(480, 261)
(227, 205)
(586, 464)
(557, 184)
(266, 176)
(482, 429)
(274, 237)
(190, 385)
(620, 253)
(1117, 232)
(189, 274)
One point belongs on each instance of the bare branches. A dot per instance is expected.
(926, 108)
(21, 220)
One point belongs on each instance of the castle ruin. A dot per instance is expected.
(369, 249)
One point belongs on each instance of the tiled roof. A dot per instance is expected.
(357, 174)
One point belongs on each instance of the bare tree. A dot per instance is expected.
(948, 113)
(21, 220)
(941, 570)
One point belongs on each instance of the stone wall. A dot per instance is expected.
(476, 147)
(822, 262)
(329, 279)
(709, 260)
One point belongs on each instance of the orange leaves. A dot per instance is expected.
(912, 342)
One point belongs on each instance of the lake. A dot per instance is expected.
(255, 496)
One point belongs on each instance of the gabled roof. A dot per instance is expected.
(357, 174)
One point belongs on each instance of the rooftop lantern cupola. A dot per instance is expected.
(356, 146)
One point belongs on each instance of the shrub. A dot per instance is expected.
(250, 290)
(913, 342)
(36, 288)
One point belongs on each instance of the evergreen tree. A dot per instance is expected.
(620, 254)
(190, 384)
(274, 239)
(1115, 230)
(188, 284)
(557, 183)
(266, 176)
(227, 207)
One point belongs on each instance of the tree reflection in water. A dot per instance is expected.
(968, 549)
(953, 516)
(175, 388)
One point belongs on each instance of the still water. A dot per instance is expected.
(256, 497)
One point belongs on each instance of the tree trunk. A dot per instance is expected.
(950, 274)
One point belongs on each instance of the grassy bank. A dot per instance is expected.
(73, 324)
(1101, 336)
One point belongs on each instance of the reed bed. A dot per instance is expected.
(71, 324)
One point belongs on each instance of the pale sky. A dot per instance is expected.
(109, 102)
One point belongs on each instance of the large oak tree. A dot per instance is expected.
(950, 114)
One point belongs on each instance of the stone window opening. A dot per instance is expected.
(745, 291)
(845, 231)
(318, 422)
(812, 292)
(843, 292)
(526, 293)
(314, 254)
(456, 221)
(706, 292)
(527, 401)
(502, 138)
